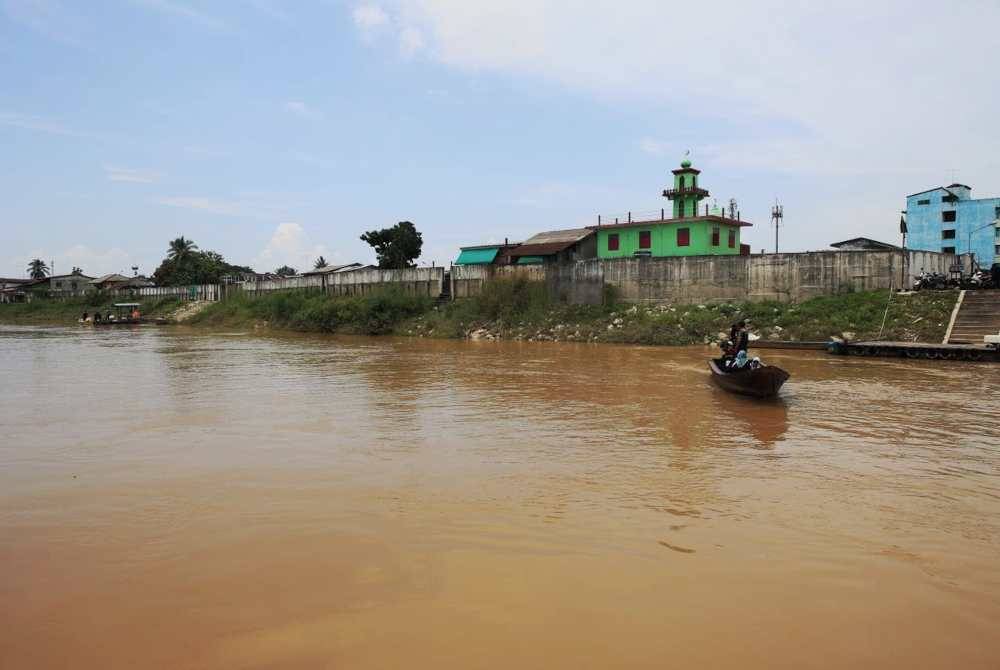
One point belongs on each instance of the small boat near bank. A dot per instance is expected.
(762, 382)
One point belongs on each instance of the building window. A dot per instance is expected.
(680, 182)
(715, 236)
(73, 285)
(949, 216)
(947, 234)
(645, 239)
(683, 237)
(732, 238)
(947, 250)
(996, 212)
(613, 242)
(694, 181)
(996, 249)
(694, 208)
(924, 202)
(58, 284)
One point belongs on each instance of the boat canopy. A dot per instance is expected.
(126, 304)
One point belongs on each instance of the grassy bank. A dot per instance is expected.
(41, 311)
(377, 314)
(521, 310)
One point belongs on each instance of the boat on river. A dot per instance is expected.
(762, 382)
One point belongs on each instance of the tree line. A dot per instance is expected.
(395, 247)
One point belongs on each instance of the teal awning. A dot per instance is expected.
(530, 260)
(480, 256)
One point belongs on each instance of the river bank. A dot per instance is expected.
(521, 310)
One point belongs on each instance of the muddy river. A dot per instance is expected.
(179, 499)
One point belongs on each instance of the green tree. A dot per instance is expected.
(38, 269)
(395, 247)
(181, 247)
(194, 267)
(320, 263)
(286, 271)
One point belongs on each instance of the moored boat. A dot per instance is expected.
(762, 382)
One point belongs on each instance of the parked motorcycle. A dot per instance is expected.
(929, 280)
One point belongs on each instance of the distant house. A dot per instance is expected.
(336, 269)
(61, 285)
(864, 244)
(488, 254)
(116, 281)
(10, 289)
(574, 244)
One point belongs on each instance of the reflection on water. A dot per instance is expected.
(175, 499)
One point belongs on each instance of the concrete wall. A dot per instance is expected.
(468, 280)
(416, 281)
(783, 277)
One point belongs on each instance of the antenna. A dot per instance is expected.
(732, 208)
(135, 270)
(777, 218)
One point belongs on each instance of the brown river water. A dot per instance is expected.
(180, 499)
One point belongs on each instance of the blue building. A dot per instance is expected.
(949, 220)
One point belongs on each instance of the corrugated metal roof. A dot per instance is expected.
(569, 236)
(477, 256)
(541, 249)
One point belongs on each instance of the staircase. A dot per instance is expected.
(978, 315)
(445, 296)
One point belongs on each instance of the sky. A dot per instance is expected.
(276, 131)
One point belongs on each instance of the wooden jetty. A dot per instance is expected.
(778, 344)
(927, 350)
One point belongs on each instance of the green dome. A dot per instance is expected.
(686, 163)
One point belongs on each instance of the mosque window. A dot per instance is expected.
(613, 242)
(645, 239)
(683, 237)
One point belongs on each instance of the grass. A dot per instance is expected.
(44, 311)
(522, 310)
(515, 309)
(374, 314)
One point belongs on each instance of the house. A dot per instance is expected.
(688, 232)
(10, 289)
(336, 269)
(556, 246)
(949, 220)
(117, 281)
(864, 244)
(60, 285)
(488, 254)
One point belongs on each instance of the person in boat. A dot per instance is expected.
(85, 318)
(97, 317)
(739, 336)
(135, 313)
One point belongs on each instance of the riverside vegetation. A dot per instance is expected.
(517, 309)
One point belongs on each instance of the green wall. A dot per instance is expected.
(664, 239)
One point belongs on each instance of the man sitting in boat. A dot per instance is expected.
(739, 336)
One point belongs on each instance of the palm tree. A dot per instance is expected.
(180, 247)
(38, 269)
(320, 263)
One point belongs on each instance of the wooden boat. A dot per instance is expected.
(762, 382)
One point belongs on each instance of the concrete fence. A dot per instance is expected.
(783, 277)
(211, 292)
(416, 281)
(468, 280)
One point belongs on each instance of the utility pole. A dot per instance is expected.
(777, 215)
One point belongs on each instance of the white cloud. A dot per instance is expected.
(289, 245)
(369, 19)
(302, 110)
(131, 175)
(411, 40)
(823, 83)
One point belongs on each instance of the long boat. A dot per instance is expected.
(762, 382)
